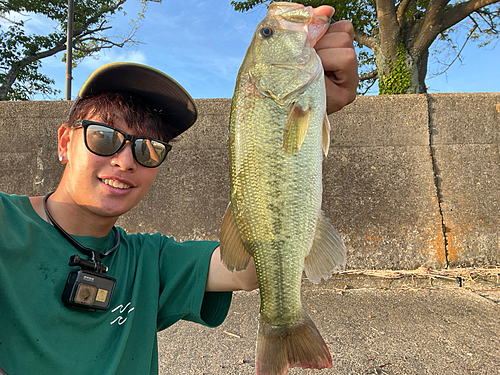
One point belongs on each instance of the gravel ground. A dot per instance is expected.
(371, 326)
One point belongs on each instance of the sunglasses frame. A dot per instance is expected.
(127, 137)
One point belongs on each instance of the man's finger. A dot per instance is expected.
(334, 40)
(342, 26)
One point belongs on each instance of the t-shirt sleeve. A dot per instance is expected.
(183, 275)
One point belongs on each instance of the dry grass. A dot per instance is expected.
(469, 274)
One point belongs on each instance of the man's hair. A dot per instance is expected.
(135, 111)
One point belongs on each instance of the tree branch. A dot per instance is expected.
(461, 10)
(366, 40)
(105, 43)
(425, 32)
(471, 31)
(85, 27)
(369, 87)
(438, 21)
(369, 75)
(401, 10)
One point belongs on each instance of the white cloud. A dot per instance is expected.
(34, 23)
(114, 55)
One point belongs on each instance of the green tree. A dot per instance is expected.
(395, 36)
(21, 53)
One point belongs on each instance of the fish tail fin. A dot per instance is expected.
(292, 345)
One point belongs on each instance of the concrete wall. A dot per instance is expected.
(410, 180)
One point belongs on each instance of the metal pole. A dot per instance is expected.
(69, 49)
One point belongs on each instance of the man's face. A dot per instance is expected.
(106, 186)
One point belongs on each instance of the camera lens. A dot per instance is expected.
(85, 294)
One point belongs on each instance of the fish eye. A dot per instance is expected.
(266, 32)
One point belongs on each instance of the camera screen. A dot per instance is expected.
(101, 295)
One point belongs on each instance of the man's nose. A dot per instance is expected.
(124, 159)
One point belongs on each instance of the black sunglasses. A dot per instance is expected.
(104, 140)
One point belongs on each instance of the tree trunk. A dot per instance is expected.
(16, 67)
(404, 39)
(404, 75)
(10, 78)
(393, 73)
(389, 34)
(418, 73)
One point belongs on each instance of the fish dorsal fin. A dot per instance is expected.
(295, 129)
(232, 250)
(327, 253)
(326, 135)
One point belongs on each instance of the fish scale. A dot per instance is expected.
(276, 139)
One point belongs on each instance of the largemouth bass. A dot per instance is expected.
(278, 132)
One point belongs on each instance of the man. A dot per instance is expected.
(129, 286)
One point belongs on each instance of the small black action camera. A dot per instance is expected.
(89, 290)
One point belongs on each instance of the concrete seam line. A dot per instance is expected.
(437, 177)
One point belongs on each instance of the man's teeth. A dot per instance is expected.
(116, 184)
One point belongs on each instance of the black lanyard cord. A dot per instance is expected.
(96, 255)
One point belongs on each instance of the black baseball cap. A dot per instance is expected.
(172, 102)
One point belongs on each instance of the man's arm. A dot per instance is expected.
(220, 279)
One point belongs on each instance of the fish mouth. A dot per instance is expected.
(293, 16)
(300, 13)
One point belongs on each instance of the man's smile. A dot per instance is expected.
(115, 183)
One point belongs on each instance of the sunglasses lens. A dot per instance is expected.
(149, 152)
(103, 141)
(106, 141)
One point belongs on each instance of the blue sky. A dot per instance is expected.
(201, 44)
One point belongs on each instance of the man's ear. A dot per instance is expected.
(63, 142)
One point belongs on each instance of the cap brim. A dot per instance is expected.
(174, 105)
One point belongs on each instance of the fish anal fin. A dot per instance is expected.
(280, 347)
(327, 253)
(295, 129)
(233, 253)
(326, 135)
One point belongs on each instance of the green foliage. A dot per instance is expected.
(361, 13)
(31, 81)
(366, 64)
(15, 45)
(399, 79)
(245, 6)
(21, 53)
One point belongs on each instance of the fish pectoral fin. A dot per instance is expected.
(326, 135)
(295, 129)
(327, 253)
(233, 253)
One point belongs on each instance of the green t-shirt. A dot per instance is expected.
(158, 282)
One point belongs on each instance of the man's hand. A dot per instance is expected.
(336, 50)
